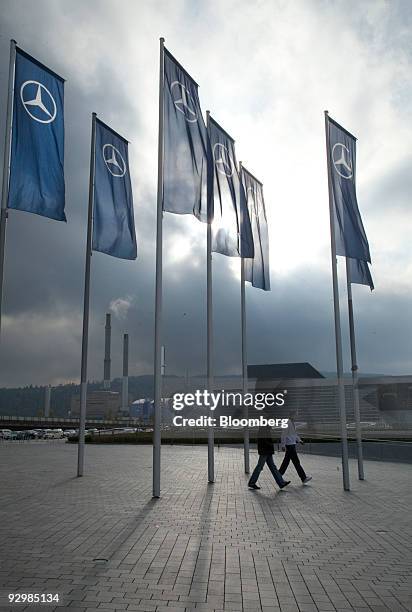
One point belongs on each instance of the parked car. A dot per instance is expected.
(51, 434)
(67, 433)
(39, 432)
(363, 424)
(5, 434)
(72, 434)
(33, 434)
(21, 435)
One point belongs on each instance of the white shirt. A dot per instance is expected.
(289, 434)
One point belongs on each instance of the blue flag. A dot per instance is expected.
(360, 273)
(350, 235)
(185, 144)
(257, 269)
(113, 220)
(37, 148)
(231, 229)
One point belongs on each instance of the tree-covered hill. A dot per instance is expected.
(29, 401)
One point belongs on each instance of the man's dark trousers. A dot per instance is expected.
(291, 455)
(271, 465)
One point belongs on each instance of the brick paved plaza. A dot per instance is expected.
(200, 547)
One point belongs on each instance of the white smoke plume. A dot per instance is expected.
(121, 306)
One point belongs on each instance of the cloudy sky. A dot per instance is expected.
(267, 70)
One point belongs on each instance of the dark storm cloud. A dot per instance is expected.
(89, 44)
(45, 260)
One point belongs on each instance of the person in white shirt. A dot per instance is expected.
(289, 440)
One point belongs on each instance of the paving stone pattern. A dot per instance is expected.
(102, 543)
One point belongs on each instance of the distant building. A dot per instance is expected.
(310, 395)
(100, 404)
(278, 371)
(142, 409)
(392, 395)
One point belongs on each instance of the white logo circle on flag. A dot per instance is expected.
(223, 160)
(252, 192)
(342, 161)
(183, 101)
(114, 160)
(39, 105)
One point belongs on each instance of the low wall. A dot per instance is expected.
(379, 450)
(375, 450)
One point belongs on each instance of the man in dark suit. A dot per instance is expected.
(266, 450)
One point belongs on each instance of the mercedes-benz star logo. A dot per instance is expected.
(183, 100)
(223, 160)
(252, 192)
(38, 102)
(342, 161)
(114, 160)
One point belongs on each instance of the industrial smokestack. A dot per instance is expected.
(47, 396)
(125, 381)
(107, 340)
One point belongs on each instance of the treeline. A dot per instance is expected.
(29, 401)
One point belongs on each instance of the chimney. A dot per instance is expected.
(47, 396)
(107, 339)
(125, 381)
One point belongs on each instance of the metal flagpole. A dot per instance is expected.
(6, 167)
(355, 389)
(338, 337)
(86, 305)
(163, 360)
(157, 435)
(244, 363)
(244, 353)
(210, 381)
(125, 381)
